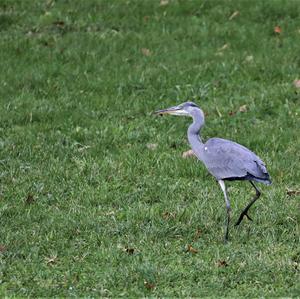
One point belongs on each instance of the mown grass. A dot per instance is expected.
(86, 208)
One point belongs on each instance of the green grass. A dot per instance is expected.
(86, 208)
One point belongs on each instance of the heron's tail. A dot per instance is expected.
(265, 180)
(268, 182)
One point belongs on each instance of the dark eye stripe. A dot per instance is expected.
(193, 105)
(189, 104)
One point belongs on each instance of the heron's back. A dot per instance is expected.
(228, 160)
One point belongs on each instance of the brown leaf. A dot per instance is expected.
(29, 199)
(146, 52)
(235, 14)
(197, 234)
(188, 154)
(169, 215)
(297, 83)
(2, 248)
(277, 29)
(222, 263)
(292, 192)
(148, 285)
(243, 108)
(231, 113)
(191, 249)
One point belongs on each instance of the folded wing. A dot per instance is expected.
(226, 159)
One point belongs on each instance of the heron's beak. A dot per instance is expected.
(175, 110)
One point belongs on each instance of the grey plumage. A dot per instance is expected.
(224, 159)
(227, 160)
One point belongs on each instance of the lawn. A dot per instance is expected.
(95, 197)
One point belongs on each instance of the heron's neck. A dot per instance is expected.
(194, 130)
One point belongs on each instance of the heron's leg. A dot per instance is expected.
(228, 209)
(244, 212)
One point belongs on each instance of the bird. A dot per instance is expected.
(224, 159)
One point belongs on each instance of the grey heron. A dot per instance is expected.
(224, 159)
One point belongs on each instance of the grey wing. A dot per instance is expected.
(226, 159)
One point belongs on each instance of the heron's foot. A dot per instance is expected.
(244, 213)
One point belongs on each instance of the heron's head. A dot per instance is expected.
(184, 109)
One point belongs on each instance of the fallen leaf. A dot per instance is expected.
(149, 285)
(231, 113)
(164, 2)
(151, 146)
(51, 260)
(222, 263)
(297, 83)
(2, 248)
(146, 52)
(292, 192)
(169, 215)
(197, 234)
(146, 18)
(235, 14)
(29, 199)
(243, 108)
(277, 29)
(188, 154)
(191, 249)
